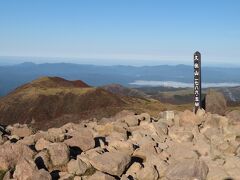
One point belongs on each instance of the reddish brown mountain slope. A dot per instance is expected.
(53, 101)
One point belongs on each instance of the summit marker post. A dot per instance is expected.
(197, 81)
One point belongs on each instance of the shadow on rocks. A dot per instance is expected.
(40, 163)
(55, 174)
(74, 152)
(13, 140)
(136, 159)
(98, 139)
(133, 160)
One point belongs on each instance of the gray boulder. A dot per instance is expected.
(27, 170)
(113, 163)
(234, 117)
(215, 102)
(82, 138)
(59, 154)
(10, 154)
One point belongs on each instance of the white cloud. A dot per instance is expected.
(180, 84)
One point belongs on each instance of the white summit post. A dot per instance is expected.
(197, 81)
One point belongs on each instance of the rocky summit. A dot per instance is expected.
(172, 146)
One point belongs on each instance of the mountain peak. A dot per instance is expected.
(52, 82)
(49, 99)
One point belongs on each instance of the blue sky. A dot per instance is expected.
(136, 32)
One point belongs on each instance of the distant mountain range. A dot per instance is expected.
(15, 75)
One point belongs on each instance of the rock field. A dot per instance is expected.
(173, 146)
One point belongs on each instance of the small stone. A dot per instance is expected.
(54, 135)
(42, 144)
(168, 115)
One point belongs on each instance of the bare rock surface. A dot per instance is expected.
(82, 138)
(27, 170)
(77, 167)
(148, 172)
(21, 131)
(174, 145)
(234, 117)
(10, 154)
(215, 102)
(101, 176)
(42, 144)
(187, 169)
(113, 163)
(59, 154)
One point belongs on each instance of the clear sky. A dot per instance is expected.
(122, 31)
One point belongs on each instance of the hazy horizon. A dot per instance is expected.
(13, 60)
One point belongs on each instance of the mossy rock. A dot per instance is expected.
(2, 173)
(90, 171)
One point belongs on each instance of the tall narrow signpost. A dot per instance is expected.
(197, 81)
